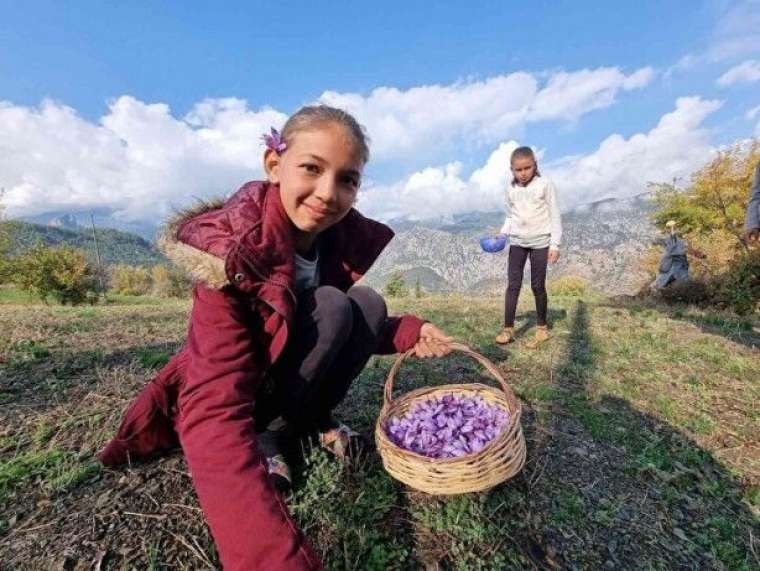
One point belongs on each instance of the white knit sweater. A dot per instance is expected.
(533, 219)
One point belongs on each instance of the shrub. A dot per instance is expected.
(686, 291)
(169, 282)
(739, 287)
(570, 286)
(396, 286)
(5, 246)
(130, 280)
(60, 271)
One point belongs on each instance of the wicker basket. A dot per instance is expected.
(499, 460)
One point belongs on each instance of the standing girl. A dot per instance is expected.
(534, 227)
(277, 332)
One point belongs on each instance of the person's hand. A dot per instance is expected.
(752, 235)
(502, 236)
(553, 256)
(432, 342)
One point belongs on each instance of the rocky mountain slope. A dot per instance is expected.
(603, 242)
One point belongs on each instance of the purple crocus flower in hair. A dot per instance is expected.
(274, 141)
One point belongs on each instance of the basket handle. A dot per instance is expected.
(490, 367)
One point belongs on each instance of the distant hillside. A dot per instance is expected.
(115, 246)
(603, 242)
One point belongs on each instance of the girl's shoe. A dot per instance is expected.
(506, 335)
(541, 336)
(272, 442)
(279, 473)
(342, 442)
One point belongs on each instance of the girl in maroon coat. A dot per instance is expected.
(277, 333)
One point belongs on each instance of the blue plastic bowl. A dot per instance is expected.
(493, 245)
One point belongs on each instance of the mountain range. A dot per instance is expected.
(603, 243)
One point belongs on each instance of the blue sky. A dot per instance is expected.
(83, 73)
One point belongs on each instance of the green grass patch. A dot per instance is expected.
(153, 358)
(599, 424)
(12, 296)
(54, 469)
(701, 424)
(42, 433)
(569, 508)
(27, 350)
(72, 473)
(469, 531)
(348, 511)
(27, 466)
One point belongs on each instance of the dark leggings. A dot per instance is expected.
(332, 337)
(515, 268)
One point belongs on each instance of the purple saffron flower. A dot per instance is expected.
(274, 141)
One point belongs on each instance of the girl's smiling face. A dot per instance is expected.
(523, 169)
(319, 176)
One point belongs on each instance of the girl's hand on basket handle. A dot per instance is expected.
(432, 342)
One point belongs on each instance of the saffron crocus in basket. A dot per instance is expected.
(448, 427)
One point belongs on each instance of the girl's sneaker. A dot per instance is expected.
(342, 442)
(507, 335)
(541, 336)
(272, 442)
(279, 473)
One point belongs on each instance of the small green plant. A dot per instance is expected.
(569, 286)
(153, 358)
(569, 507)
(29, 350)
(396, 286)
(739, 288)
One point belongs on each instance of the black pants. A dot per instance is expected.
(333, 336)
(515, 268)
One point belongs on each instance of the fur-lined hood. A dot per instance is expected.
(199, 265)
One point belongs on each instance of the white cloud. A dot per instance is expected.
(480, 112)
(139, 161)
(622, 167)
(684, 63)
(570, 95)
(737, 31)
(619, 168)
(442, 191)
(748, 71)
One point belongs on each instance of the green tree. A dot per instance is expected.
(396, 285)
(61, 272)
(130, 280)
(169, 282)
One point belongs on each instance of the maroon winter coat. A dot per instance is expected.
(240, 254)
